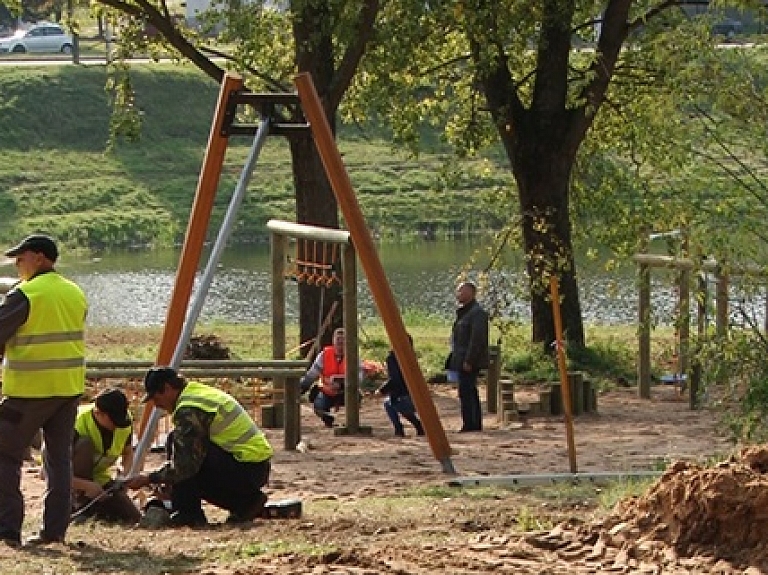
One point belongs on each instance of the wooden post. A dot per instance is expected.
(564, 383)
(684, 315)
(701, 307)
(721, 316)
(290, 386)
(279, 243)
(196, 231)
(492, 379)
(292, 414)
(644, 332)
(351, 347)
(374, 271)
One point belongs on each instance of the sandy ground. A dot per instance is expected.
(626, 434)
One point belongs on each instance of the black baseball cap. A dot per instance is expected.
(114, 403)
(38, 243)
(156, 379)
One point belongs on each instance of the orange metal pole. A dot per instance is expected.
(565, 385)
(196, 230)
(377, 279)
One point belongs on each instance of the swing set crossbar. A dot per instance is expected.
(283, 110)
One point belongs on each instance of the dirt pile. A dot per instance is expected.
(721, 511)
(693, 517)
(206, 347)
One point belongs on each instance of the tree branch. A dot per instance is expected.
(274, 84)
(343, 75)
(171, 34)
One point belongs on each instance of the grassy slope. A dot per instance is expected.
(57, 174)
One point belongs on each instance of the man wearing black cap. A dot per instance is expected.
(42, 324)
(217, 452)
(103, 434)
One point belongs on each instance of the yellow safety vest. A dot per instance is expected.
(103, 459)
(46, 356)
(232, 428)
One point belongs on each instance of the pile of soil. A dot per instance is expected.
(693, 517)
(206, 347)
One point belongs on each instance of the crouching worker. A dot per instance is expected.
(103, 435)
(330, 366)
(216, 452)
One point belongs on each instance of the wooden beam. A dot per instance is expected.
(374, 271)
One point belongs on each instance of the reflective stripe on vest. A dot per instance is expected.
(332, 367)
(232, 428)
(103, 459)
(46, 356)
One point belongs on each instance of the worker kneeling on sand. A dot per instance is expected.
(103, 435)
(216, 453)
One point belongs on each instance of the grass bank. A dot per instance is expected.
(58, 175)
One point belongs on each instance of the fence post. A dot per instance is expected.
(492, 379)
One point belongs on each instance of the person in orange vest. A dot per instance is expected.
(329, 367)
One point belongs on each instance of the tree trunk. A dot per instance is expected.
(542, 169)
(315, 201)
(315, 205)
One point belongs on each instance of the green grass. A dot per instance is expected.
(58, 174)
(254, 341)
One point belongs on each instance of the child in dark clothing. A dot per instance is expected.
(398, 400)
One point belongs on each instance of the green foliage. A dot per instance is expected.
(604, 360)
(737, 375)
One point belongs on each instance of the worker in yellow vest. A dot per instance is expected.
(42, 325)
(103, 437)
(216, 452)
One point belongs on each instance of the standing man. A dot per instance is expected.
(103, 435)
(469, 353)
(42, 324)
(216, 451)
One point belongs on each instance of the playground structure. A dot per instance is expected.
(687, 375)
(323, 257)
(181, 318)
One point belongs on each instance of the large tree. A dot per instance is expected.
(537, 73)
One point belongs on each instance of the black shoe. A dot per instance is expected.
(328, 420)
(419, 428)
(185, 519)
(249, 513)
(399, 433)
(469, 429)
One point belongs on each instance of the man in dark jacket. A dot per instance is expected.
(469, 353)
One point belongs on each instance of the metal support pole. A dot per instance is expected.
(193, 313)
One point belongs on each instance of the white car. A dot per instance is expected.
(42, 37)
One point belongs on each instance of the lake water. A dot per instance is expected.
(133, 288)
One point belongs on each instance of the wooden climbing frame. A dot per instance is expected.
(316, 263)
